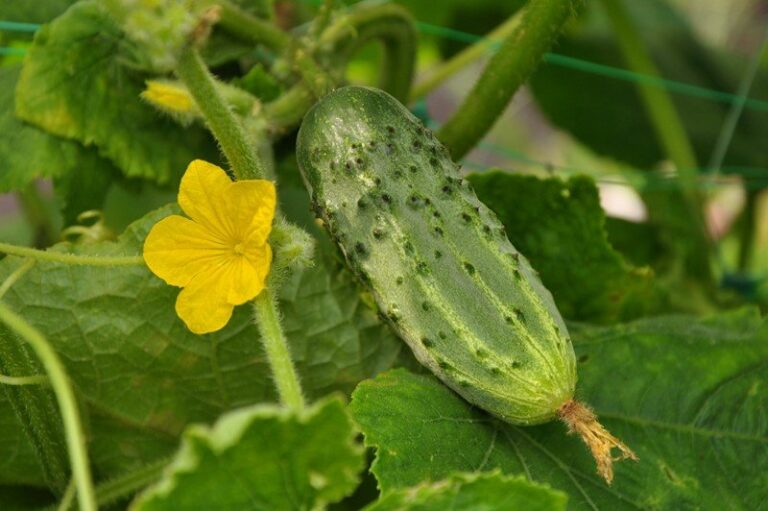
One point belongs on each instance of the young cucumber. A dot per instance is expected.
(437, 260)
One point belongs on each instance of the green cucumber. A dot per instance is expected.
(436, 260)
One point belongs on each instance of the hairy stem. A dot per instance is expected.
(73, 429)
(75, 259)
(286, 112)
(219, 117)
(391, 25)
(278, 353)
(507, 70)
(248, 27)
(466, 57)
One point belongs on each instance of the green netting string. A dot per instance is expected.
(551, 58)
(15, 26)
(12, 51)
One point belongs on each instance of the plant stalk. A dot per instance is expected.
(219, 117)
(391, 25)
(507, 70)
(278, 353)
(65, 396)
(125, 485)
(664, 117)
(75, 259)
(672, 136)
(35, 379)
(248, 27)
(286, 112)
(459, 61)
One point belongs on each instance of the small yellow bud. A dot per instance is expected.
(169, 97)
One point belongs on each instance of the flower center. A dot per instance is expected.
(239, 249)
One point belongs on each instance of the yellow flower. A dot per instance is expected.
(220, 254)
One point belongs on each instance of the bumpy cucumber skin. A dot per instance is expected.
(437, 261)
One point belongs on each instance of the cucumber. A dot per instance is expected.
(435, 258)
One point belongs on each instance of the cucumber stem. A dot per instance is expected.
(278, 353)
(391, 25)
(248, 27)
(226, 128)
(487, 45)
(581, 420)
(507, 70)
(65, 258)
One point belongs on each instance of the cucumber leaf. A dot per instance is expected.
(28, 153)
(484, 491)
(81, 177)
(687, 395)
(144, 376)
(73, 84)
(560, 227)
(262, 458)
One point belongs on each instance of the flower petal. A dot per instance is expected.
(177, 249)
(248, 274)
(203, 195)
(251, 206)
(203, 305)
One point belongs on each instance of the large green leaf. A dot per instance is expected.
(146, 376)
(73, 84)
(27, 153)
(560, 227)
(607, 113)
(18, 464)
(688, 395)
(479, 492)
(262, 458)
